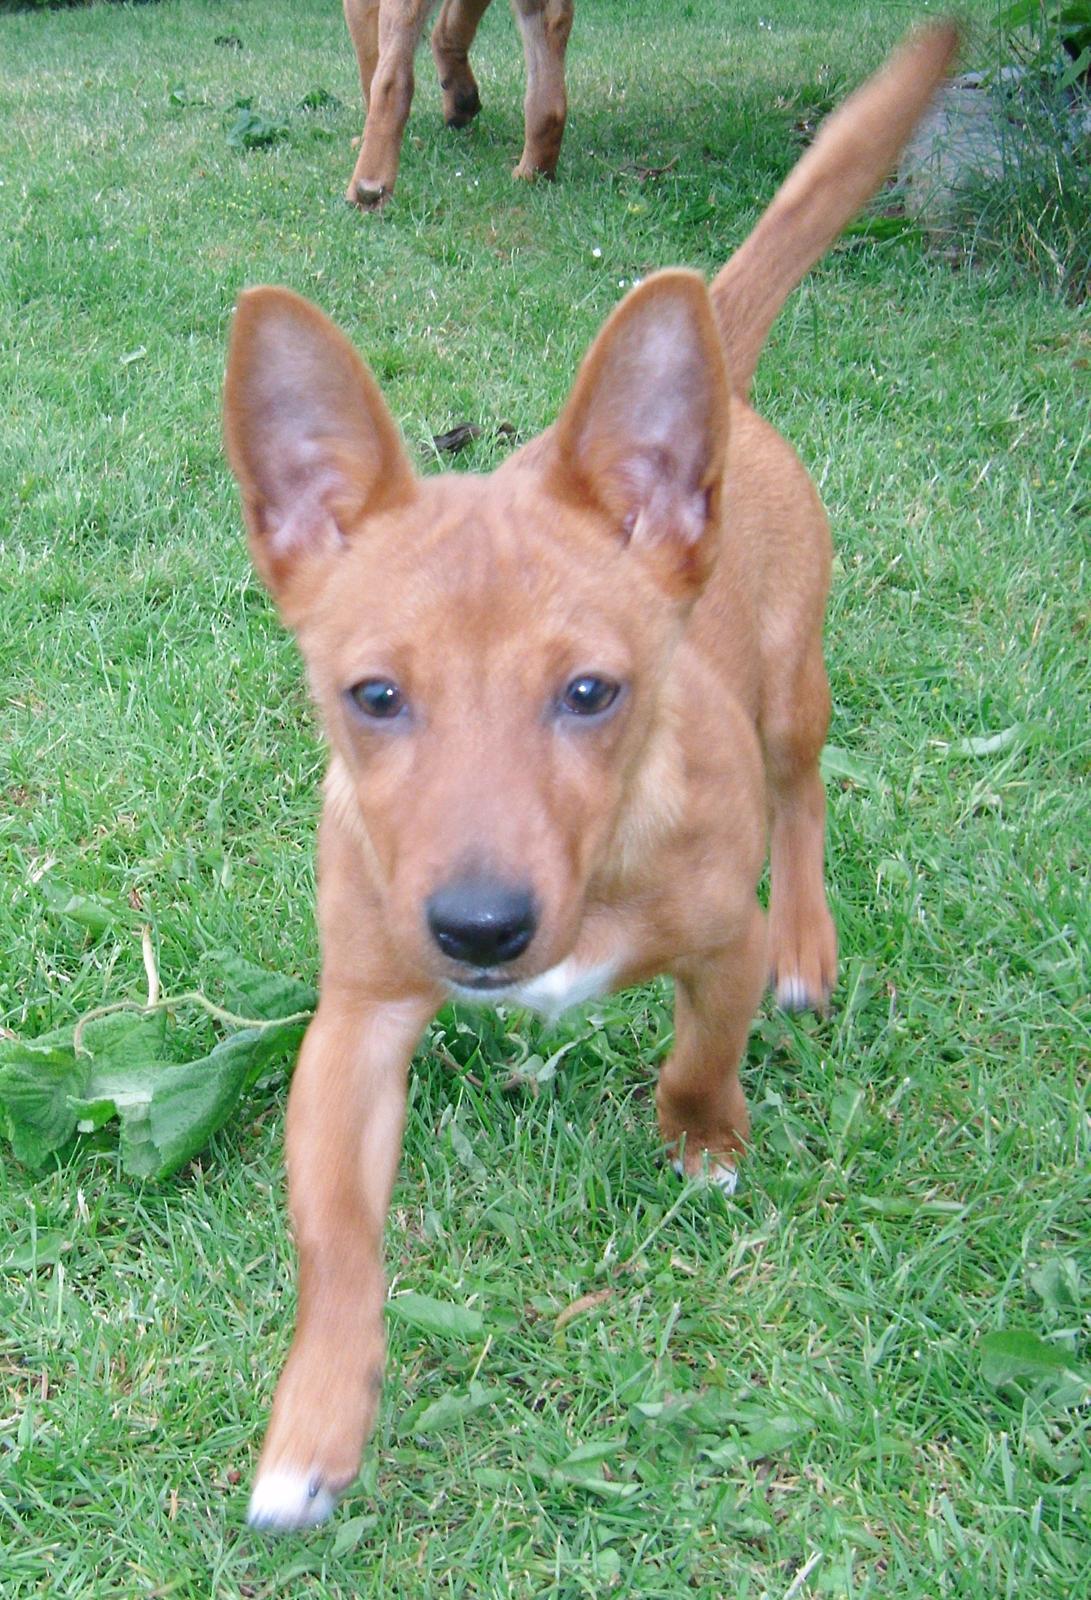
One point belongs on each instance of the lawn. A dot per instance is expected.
(868, 1373)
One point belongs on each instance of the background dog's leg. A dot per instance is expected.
(802, 940)
(452, 37)
(385, 36)
(545, 26)
(344, 1133)
(699, 1097)
(362, 17)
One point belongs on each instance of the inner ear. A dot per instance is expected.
(643, 437)
(308, 436)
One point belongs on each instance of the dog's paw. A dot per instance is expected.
(283, 1500)
(461, 106)
(803, 970)
(369, 194)
(717, 1174)
(529, 173)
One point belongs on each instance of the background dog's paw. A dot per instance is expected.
(283, 1500)
(461, 106)
(368, 194)
(532, 174)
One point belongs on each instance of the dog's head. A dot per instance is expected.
(489, 654)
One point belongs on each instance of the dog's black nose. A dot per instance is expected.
(481, 921)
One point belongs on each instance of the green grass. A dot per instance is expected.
(794, 1393)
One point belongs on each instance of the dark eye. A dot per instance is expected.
(589, 696)
(379, 698)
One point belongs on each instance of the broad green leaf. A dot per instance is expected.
(607, 1488)
(765, 1438)
(320, 100)
(279, 1039)
(1013, 1353)
(168, 1110)
(191, 1100)
(450, 1409)
(879, 229)
(891, 870)
(124, 1038)
(989, 744)
(839, 764)
(353, 1532)
(92, 1114)
(139, 1152)
(126, 1062)
(1057, 1284)
(251, 129)
(590, 1454)
(43, 1250)
(64, 901)
(436, 1316)
(253, 991)
(845, 1110)
(465, 1151)
(606, 1565)
(37, 1083)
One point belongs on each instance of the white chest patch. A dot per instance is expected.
(570, 983)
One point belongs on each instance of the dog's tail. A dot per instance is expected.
(855, 149)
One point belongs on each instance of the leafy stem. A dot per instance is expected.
(171, 1003)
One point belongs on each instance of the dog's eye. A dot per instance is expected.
(589, 696)
(379, 698)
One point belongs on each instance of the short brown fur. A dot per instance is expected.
(659, 537)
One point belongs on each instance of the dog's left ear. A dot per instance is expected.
(643, 436)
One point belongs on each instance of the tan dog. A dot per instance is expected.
(385, 34)
(562, 703)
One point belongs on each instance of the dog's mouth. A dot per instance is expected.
(483, 982)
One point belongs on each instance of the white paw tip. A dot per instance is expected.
(726, 1179)
(792, 993)
(284, 1500)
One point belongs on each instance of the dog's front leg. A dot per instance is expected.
(702, 1109)
(344, 1133)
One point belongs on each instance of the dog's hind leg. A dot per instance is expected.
(545, 26)
(802, 940)
(452, 37)
(702, 1110)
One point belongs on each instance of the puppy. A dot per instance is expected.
(385, 34)
(566, 705)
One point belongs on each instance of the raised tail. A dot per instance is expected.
(854, 151)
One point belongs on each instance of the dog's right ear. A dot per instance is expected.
(309, 438)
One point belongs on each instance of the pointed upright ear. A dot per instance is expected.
(643, 436)
(309, 439)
